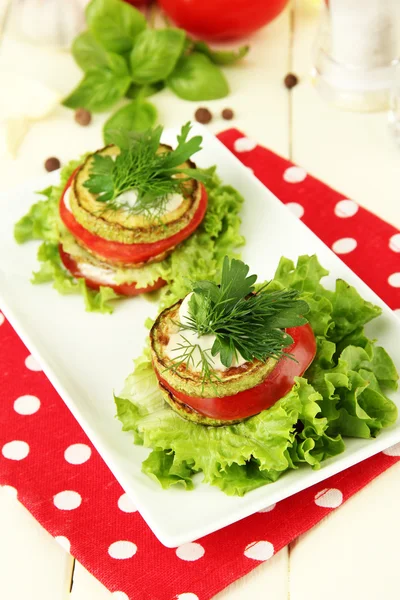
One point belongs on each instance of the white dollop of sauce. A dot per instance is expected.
(203, 342)
(129, 198)
(97, 274)
(67, 198)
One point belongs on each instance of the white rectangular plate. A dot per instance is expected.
(87, 356)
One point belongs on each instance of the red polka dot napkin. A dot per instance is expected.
(48, 461)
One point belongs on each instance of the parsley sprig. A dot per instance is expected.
(242, 320)
(142, 167)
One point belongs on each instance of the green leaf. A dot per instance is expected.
(155, 54)
(221, 57)
(138, 115)
(235, 281)
(350, 310)
(197, 78)
(114, 24)
(90, 54)
(101, 180)
(185, 149)
(136, 91)
(305, 277)
(235, 458)
(161, 466)
(100, 89)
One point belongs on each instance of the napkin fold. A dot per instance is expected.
(57, 474)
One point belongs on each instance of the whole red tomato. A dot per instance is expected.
(222, 19)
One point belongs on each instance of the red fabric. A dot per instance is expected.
(40, 460)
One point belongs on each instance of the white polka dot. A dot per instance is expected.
(294, 175)
(244, 145)
(344, 245)
(190, 551)
(15, 450)
(250, 170)
(125, 504)
(329, 498)
(77, 454)
(394, 242)
(120, 596)
(393, 450)
(394, 280)
(64, 542)
(122, 550)
(267, 508)
(296, 209)
(187, 596)
(346, 208)
(259, 550)
(397, 312)
(9, 490)
(26, 405)
(2, 319)
(67, 500)
(32, 364)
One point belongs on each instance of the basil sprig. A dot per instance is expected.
(122, 57)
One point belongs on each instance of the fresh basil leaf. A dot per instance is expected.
(135, 116)
(89, 54)
(197, 78)
(100, 89)
(144, 91)
(155, 54)
(114, 24)
(221, 57)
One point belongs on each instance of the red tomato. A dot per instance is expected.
(222, 19)
(125, 289)
(278, 383)
(116, 252)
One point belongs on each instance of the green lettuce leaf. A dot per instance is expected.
(199, 257)
(236, 458)
(43, 223)
(342, 394)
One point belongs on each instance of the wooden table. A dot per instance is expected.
(353, 553)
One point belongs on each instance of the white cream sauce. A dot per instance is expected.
(204, 342)
(129, 199)
(67, 198)
(97, 274)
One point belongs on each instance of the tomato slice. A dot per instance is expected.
(117, 252)
(278, 383)
(125, 289)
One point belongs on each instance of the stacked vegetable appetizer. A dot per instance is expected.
(243, 382)
(129, 206)
(129, 218)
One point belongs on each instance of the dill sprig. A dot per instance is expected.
(244, 322)
(141, 166)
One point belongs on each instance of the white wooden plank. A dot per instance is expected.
(354, 552)
(353, 152)
(32, 565)
(87, 587)
(269, 579)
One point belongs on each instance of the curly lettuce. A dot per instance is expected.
(342, 394)
(199, 257)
